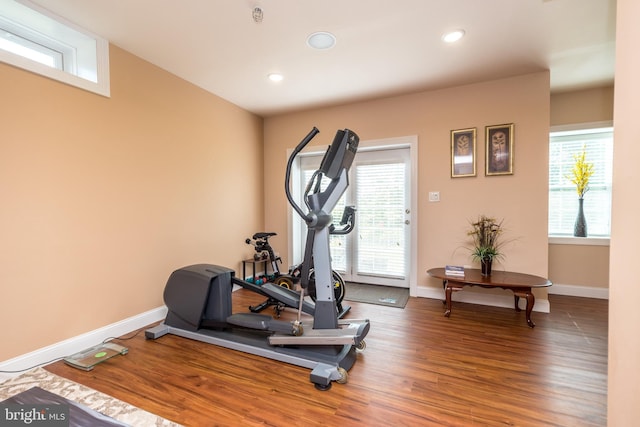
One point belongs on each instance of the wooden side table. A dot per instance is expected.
(519, 283)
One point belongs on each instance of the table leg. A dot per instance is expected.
(517, 300)
(447, 293)
(531, 300)
(444, 288)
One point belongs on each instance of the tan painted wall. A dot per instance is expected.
(574, 264)
(103, 197)
(521, 199)
(624, 289)
(582, 106)
(579, 265)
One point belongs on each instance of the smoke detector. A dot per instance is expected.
(257, 14)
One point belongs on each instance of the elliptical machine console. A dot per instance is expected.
(198, 297)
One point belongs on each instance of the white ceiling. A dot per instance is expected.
(384, 47)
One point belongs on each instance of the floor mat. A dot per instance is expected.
(376, 294)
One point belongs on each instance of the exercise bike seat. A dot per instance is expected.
(262, 235)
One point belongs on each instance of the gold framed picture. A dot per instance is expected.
(463, 152)
(499, 145)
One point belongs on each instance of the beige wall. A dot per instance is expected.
(521, 199)
(103, 197)
(579, 265)
(571, 264)
(624, 292)
(582, 106)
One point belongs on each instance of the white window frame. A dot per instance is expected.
(589, 240)
(86, 55)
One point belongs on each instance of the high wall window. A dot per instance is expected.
(38, 41)
(563, 198)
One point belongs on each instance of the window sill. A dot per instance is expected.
(584, 241)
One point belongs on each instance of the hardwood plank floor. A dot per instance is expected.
(483, 366)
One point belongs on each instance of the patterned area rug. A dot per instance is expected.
(83, 395)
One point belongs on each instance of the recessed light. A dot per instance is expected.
(321, 40)
(453, 36)
(276, 77)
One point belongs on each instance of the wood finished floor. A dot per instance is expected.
(481, 367)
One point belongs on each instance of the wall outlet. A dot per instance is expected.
(434, 196)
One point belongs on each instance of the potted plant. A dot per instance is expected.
(580, 174)
(485, 232)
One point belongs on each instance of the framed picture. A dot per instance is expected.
(463, 152)
(499, 156)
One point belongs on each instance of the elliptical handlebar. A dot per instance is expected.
(347, 223)
(307, 218)
(336, 161)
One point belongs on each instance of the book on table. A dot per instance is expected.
(454, 270)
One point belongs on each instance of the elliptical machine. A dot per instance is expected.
(198, 297)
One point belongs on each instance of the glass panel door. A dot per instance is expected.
(377, 250)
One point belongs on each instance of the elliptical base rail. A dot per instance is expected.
(327, 363)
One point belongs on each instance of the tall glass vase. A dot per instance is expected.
(580, 227)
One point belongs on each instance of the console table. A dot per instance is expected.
(520, 284)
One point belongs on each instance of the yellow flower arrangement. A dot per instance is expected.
(581, 172)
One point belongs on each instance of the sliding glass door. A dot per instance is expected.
(377, 251)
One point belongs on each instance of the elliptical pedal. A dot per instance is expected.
(262, 322)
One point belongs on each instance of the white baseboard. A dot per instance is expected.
(579, 291)
(80, 342)
(492, 300)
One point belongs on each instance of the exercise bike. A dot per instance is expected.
(198, 297)
(264, 251)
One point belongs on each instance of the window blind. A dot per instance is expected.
(381, 229)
